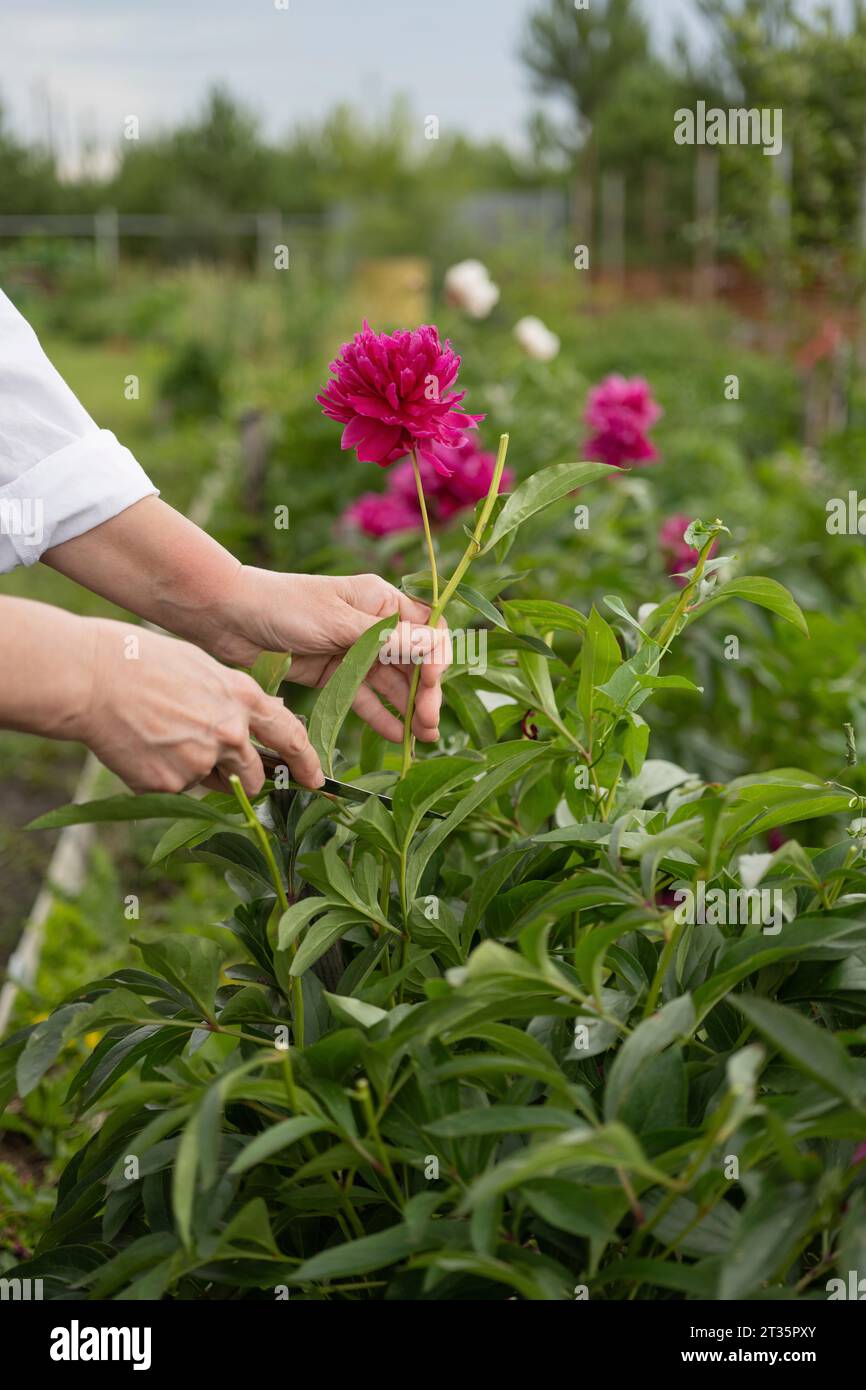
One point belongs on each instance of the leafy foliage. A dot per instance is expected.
(530, 1071)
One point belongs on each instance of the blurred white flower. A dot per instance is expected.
(536, 339)
(468, 285)
(752, 867)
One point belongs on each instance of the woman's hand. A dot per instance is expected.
(155, 562)
(318, 618)
(165, 716)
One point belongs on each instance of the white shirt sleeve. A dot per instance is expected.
(60, 475)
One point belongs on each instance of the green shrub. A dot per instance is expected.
(531, 1074)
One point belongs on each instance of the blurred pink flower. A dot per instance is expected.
(393, 392)
(619, 412)
(381, 513)
(676, 554)
(470, 472)
(859, 1154)
(469, 477)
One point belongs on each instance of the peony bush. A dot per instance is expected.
(543, 1016)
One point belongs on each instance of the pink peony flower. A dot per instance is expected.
(619, 412)
(394, 393)
(676, 554)
(469, 477)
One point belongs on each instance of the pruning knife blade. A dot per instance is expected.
(347, 791)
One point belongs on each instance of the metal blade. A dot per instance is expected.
(347, 791)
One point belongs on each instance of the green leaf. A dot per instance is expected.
(45, 1043)
(153, 806)
(635, 743)
(762, 808)
(475, 796)
(183, 834)
(771, 1228)
(610, 1146)
(616, 605)
(695, 1232)
(273, 1140)
(249, 1234)
(517, 641)
(191, 963)
(816, 938)
(600, 658)
(500, 1119)
(296, 918)
(354, 1011)
(545, 615)
(420, 586)
(270, 670)
(669, 683)
(361, 1256)
(544, 487)
(423, 786)
(321, 937)
(142, 1254)
(462, 698)
(766, 593)
(375, 824)
(337, 697)
(650, 1038)
(184, 1176)
(592, 1212)
(814, 1050)
(482, 605)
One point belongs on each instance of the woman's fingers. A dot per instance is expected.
(370, 708)
(392, 682)
(245, 763)
(276, 726)
(410, 648)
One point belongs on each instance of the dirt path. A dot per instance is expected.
(34, 777)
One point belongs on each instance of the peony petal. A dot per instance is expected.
(378, 444)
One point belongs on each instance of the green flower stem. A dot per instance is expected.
(431, 549)
(441, 602)
(362, 1091)
(264, 841)
(669, 631)
(312, 1152)
(672, 938)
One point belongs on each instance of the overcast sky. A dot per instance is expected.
(82, 66)
(87, 64)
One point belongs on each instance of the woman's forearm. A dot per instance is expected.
(161, 714)
(153, 561)
(46, 668)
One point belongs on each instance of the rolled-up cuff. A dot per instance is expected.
(67, 494)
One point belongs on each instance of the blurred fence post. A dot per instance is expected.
(255, 447)
(613, 228)
(581, 220)
(780, 223)
(269, 235)
(706, 223)
(255, 437)
(106, 235)
(654, 219)
(861, 283)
